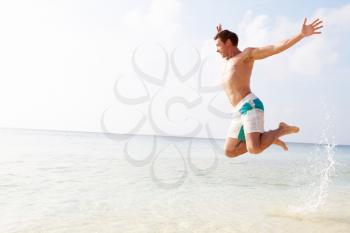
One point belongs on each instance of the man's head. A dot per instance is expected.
(225, 42)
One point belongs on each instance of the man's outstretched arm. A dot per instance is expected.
(306, 30)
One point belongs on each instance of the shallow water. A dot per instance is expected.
(54, 181)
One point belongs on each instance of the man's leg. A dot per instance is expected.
(234, 147)
(281, 143)
(257, 142)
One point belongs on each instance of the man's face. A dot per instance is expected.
(221, 47)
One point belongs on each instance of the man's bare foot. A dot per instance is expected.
(281, 143)
(287, 129)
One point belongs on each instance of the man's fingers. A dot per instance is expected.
(219, 27)
(315, 21)
(304, 21)
(318, 27)
(317, 33)
(316, 24)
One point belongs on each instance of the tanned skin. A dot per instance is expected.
(236, 82)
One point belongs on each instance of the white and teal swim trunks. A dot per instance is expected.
(248, 117)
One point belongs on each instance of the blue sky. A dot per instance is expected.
(60, 61)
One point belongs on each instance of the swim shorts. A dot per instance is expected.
(248, 117)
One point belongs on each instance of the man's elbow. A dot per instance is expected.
(272, 52)
(262, 54)
(280, 48)
(277, 50)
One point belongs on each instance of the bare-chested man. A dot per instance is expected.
(246, 132)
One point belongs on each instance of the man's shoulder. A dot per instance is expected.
(246, 54)
(248, 50)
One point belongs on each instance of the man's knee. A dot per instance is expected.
(231, 153)
(254, 149)
(254, 143)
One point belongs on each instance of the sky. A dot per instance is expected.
(150, 67)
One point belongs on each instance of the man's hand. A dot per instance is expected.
(266, 51)
(219, 28)
(310, 29)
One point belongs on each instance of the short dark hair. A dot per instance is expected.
(224, 35)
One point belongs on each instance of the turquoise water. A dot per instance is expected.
(54, 181)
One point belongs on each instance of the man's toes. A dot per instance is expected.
(283, 125)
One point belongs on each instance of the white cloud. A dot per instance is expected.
(163, 12)
(160, 22)
(310, 55)
(335, 19)
(253, 30)
(324, 49)
(310, 58)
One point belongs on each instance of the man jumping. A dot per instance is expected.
(246, 132)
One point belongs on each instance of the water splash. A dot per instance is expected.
(320, 189)
(322, 169)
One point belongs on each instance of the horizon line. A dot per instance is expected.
(95, 132)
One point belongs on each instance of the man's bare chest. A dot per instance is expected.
(236, 72)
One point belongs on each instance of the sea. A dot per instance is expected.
(81, 182)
